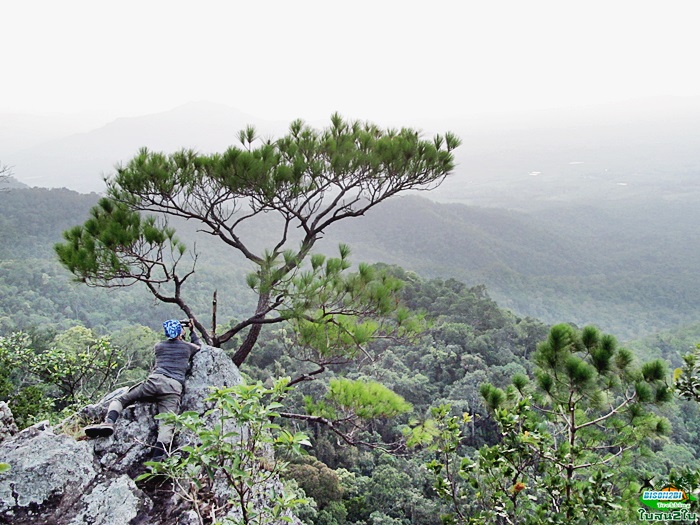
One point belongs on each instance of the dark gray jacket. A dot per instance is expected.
(173, 357)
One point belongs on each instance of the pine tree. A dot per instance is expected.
(565, 436)
(309, 180)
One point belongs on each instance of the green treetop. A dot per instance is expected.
(564, 436)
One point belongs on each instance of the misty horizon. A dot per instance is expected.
(616, 146)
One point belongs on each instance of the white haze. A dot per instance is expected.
(600, 90)
(386, 61)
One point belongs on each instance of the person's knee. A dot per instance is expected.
(169, 404)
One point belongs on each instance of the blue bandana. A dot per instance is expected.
(173, 328)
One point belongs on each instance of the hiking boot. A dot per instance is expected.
(100, 430)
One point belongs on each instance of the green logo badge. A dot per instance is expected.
(668, 504)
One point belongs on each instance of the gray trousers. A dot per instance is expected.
(159, 389)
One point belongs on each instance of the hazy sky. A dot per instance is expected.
(368, 59)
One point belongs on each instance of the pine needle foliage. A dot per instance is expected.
(309, 179)
(565, 437)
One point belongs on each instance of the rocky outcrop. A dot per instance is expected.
(7, 423)
(57, 478)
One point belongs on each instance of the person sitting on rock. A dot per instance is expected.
(163, 386)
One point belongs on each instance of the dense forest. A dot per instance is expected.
(472, 378)
(627, 268)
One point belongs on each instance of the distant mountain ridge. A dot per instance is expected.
(81, 161)
(523, 161)
(608, 202)
(606, 266)
(631, 271)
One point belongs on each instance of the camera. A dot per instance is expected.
(186, 323)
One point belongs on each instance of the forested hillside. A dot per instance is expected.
(472, 342)
(626, 266)
(36, 291)
(631, 271)
(469, 341)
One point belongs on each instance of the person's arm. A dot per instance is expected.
(194, 339)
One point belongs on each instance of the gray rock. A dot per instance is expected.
(210, 367)
(7, 422)
(113, 501)
(42, 465)
(60, 479)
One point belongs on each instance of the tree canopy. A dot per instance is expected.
(310, 179)
(561, 436)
